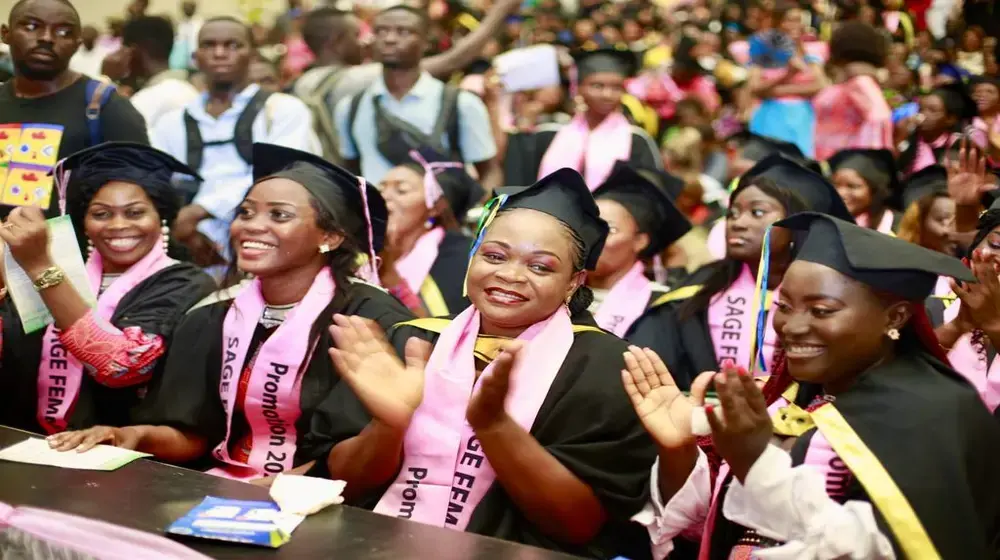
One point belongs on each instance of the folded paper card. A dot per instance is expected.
(699, 418)
(305, 495)
(36, 451)
(242, 521)
(528, 68)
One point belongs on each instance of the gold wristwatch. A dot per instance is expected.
(50, 277)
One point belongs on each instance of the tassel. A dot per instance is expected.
(760, 300)
(489, 213)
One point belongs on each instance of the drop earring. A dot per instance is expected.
(165, 233)
(324, 249)
(90, 247)
(893, 334)
(580, 104)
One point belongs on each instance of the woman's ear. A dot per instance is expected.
(578, 279)
(640, 243)
(899, 314)
(332, 240)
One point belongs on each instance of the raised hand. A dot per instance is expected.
(744, 431)
(85, 440)
(981, 301)
(664, 410)
(389, 390)
(27, 237)
(486, 407)
(967, 176)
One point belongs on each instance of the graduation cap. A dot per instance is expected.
(650, 205)
(444, 177)
(668, 183)
(876, 167)
(124, 161)
(616, 61)
(883, 262)
(931, 179)
(755, 147)
(564, 195)
(820, 195)
(353, 202)
(957, 100)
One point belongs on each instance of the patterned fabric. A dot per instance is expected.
(16, 544)
(405, 295)
(852, 114)
(114, 358)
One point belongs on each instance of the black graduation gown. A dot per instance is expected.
(448, 274)
(187, 394)
(525, 151)
(606, 447)
(155, 305)
(928, 428)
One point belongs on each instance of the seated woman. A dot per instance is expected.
(866, 180)
(532, 469)
(939, 127)
(248, 369)
(929, 216)
(597, 137)
(643, 222)
(426, 253)
(94, 364)
(710, 317)
(853, 478)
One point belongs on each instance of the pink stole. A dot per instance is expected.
(625, 302)
(591, 152)
(445, 473)
(60, 373)
(884, 225)
(271, 406)
(717, 240)
(925, 151)
(731, 322)
(416, 265)
(971, 364)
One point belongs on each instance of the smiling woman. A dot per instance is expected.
(120, 198)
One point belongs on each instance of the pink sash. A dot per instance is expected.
(591, 152)
(824, 459)
(445, 473)
(271, 406)
(60, 373)
(416, 265)
(625, 302)
(731, 322)
(971, 364)
(884, 225)
(717, 240)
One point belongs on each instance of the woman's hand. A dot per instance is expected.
(664, 410)
(389, 390)
(486, 407)
(981, 301)
(27, 237)
(968, 178)
(744, 431)
(85, 440)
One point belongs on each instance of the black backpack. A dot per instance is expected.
(397, 137)
(242, 134)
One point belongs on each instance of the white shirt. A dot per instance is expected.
(285, 121)
(167, 91)
(89, 62)
(780, 502)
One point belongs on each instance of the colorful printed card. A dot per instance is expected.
(28, 152)
(242, 521)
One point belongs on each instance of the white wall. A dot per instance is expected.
(96, 12)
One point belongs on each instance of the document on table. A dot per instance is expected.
(65, 252)
(36, 451)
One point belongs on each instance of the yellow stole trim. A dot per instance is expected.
(881, 488)
(487, 347)
(432, 298)
(684, 292)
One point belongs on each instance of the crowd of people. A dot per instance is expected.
(727, 285)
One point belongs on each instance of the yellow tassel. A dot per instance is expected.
(479, 236)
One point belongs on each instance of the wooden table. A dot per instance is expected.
(149, 496)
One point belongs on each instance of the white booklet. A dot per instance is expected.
(65, 252)
(528, 68)
(36, 451)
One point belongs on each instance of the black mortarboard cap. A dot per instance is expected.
(957, 100)
(755, 147)
(650, 205)
(876, 167)
(608, 59)
(883, 262)
(564, 195)
(337, 190)
(670, 184)
(460, 190)
(933, 178)
(815, 189)
(125, 161)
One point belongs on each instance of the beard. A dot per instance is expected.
(37, 74)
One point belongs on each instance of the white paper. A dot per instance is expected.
(65, 253)
(699, 418)
(305, 495)
(36, 451)
(528, 68)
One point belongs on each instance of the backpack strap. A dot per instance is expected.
(448, 120)
(98, 94)
(195, 145)
(243, 132)
(351, 114)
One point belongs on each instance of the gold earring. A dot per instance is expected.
(581, 104)
(324, 248)
(893, 334)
